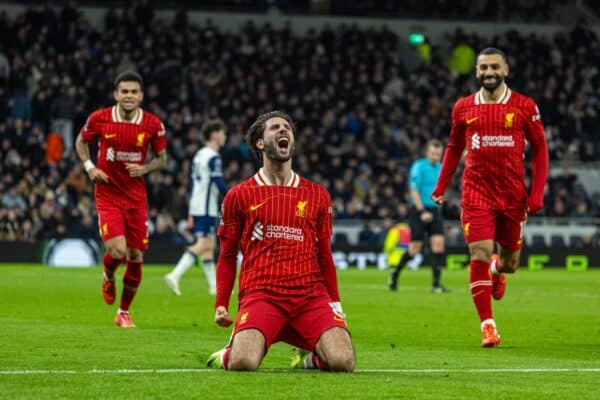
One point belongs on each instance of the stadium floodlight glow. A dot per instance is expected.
(416, 39)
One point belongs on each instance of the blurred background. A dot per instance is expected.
(368, 82)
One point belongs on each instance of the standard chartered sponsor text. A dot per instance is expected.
(284, 232)
(129, 156)
(498, 141)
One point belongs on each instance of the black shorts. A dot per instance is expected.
(418, 228)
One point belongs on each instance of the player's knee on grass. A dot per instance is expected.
(242, 363)
(247, 350)
(342, 361)
(335, 349)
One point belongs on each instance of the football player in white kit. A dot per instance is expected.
(207, 184)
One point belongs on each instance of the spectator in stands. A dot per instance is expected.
(62, 113)
(580, 209)
(360, 114)
(368, 235)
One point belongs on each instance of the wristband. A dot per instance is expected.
(88, 164)
(336, 306)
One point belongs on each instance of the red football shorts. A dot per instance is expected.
(297, 320)
(131, 223)
(504, 226)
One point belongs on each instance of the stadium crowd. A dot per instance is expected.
(365, 102)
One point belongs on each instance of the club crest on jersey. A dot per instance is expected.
(509, 119)
(301, 209)
(466, 229)
(140, 139)
(244, 318)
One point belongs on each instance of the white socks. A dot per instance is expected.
(211, 275)
(185, 262)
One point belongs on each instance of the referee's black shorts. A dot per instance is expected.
(418, 228)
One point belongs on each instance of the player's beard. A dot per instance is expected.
(129, 108)
(272, 153)
(491, 86)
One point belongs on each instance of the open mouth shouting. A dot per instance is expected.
(283, 143)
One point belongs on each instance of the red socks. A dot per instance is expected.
(131, 281)
(225, 357)
(110, 265)
(481, 288)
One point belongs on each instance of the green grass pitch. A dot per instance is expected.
(58, 340)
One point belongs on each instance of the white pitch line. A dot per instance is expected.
(381, 371)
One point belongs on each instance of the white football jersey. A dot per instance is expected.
(206, 170)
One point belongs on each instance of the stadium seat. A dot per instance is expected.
(557, 241)
(538, 240)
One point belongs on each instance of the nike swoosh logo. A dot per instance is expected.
(471, 120)
(255, 207)
(110, 136)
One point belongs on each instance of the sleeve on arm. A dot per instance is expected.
(328, 269)
(324, 255)
(159, 140)
(90, 132)
(536, 136)
(452, 155)
(231, 219)
(226, 270)
(413, 177)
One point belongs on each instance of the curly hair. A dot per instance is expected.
(257, 129)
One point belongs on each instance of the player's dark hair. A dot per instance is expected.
(492, 50)
(210, 126)
(257, 129)
(129, 76)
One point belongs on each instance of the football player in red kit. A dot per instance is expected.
(124, 132)
(493, 126)
(287, 286)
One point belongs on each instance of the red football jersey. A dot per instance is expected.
(122, 142)
(494, 136)
(278, 228)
